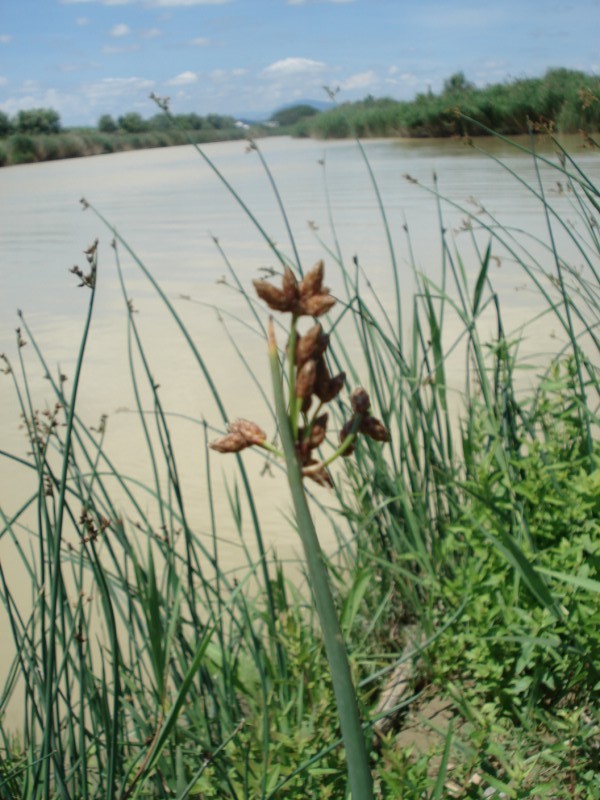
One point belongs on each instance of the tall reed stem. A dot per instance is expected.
(357, 762)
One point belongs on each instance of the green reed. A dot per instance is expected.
(147, 670)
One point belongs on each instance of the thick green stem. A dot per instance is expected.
(359, 774)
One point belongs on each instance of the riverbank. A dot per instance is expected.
(26, 149)
(561, 102)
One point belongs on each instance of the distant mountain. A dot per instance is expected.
(256, 117)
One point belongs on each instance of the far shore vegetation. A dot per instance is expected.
(562, 101)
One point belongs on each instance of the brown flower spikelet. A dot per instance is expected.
(250, 431)
(311, 345)
(321, 476)
(359, 400)
(344, 433)
(317, 433)
(272, 296)
(231, 443)
(317, 305)
(289, 287)
(305, 379)
(375, 429)
(312, 283)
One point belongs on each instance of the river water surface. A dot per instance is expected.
(170, 206)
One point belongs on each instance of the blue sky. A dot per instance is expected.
(85, 58)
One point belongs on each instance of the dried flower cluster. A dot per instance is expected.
(87, 279)
(307, 297)
(242, 434)
(311, 382)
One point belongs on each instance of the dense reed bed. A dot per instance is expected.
(466, 574)
(564, 101)
(21, 148)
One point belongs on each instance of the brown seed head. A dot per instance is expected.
(320, 476)
(231, 443)
(316, 305)
(289, 287)
(375, 429)
(272, 296)
(312, 283)
(359, 400)
(344, 433)
(250, 431)
(317, 434)
(334, 387)
(323, 379)
(305, 379)
(311, 345)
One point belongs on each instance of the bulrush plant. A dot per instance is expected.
(303, 427)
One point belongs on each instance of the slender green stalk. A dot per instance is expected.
(357, 760)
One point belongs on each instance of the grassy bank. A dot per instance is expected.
(24, 148)
(563, 100)
(466, 575)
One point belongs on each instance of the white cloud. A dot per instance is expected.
(82, 21)
(120, 30)
(3, 80)
(183, 79)
(200, 41)
(112, 86)
(5, 38)
(151, 33)
(361, 80)
(294, 66)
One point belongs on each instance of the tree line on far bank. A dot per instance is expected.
(46, 121)
(563, 100)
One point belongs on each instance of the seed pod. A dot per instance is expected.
(316, 305)
(335, 386)
(231, 443)
(305, 379)
(344, 433)
(375, 429)
(312, 283)
(250, 431)
(289, 287)
(311, 345)
(359, 400)
(323, 379)
(321, 476)
(272, 296)
(318, 432)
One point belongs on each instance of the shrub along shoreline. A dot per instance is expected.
(562, 101)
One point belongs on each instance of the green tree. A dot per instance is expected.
(133, 123)
(219, 122)
(106, 124)
(457, 84)
(38, 120)
(293, 114)
(5, 124)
